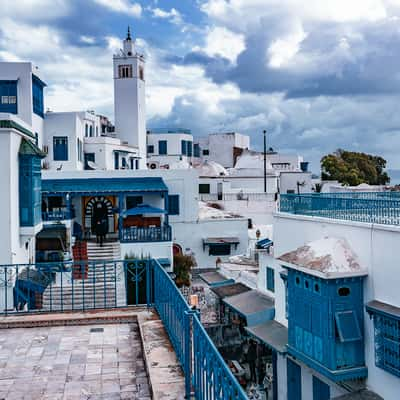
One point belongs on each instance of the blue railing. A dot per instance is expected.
(58, 215)
(85, 285)
(146, 234)
(378, 208)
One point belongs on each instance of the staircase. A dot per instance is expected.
(104, 286)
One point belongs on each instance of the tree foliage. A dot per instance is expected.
(352, 168)
(182, 267)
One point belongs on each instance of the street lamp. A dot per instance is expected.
(265, 161)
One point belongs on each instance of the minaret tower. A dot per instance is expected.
(129, 97)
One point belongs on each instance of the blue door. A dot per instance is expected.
(321, 390)
(293, 380)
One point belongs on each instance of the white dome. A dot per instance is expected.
(211, 168)
(251, 161)
(181, 164)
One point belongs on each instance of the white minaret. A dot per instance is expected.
(129, 97)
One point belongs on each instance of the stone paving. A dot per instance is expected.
(73, 362)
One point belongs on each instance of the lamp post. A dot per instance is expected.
(265, 161)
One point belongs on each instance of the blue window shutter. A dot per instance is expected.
(196, 150)
(184, 147)
(37, 96)
(347, 325)
(60, 148)
(150, 149)
(270, 279)
(173, 204)
(189, 149)
(116, 160)
(162, 147)
(8, 97)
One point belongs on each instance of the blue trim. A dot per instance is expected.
(335, 376)
(173, 204)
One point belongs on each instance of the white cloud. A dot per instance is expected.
(122, 6)
(282, 50)
(87, 39)
(34, 9)
(173, 15)
(221, 41)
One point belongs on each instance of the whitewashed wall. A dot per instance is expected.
(376, 247)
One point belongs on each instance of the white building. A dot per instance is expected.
(170, 148)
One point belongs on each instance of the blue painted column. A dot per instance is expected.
(166, 207)
(120, 210)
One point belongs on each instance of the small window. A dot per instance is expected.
(204, 188)
(344, 291)
(173, 204)
(150, 149)
(219, 249)
(347, 326)
(306, 284)
(12, 99)
(141, 73)
(60, 148)
(196, 150)
(298, 281)
(290, 191)
(91, 131)
(125, 71)
(316, 288)
(162, 147)
(4, 100)
(206, 152)
(86, 130)
(270, 279)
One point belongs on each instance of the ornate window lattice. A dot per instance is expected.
(387, 343)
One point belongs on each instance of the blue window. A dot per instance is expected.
(60, 148)
(91, 131)
(271, 279)
(347, 326)
(184, 147)
(162, 147)
(86, 130)
(89, 157)
(8, 97)
(173, 204)
(131, 163)
(116, 160)
(79, 145)
(137, 164)
(150, 149)
(37, 96)
(387, 337)
(196, 150)
(189, 148)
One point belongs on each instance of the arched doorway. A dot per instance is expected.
(99, 208)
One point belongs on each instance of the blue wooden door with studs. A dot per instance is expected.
(293, 380)
(321, 390)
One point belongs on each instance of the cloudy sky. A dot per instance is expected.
(317, 75)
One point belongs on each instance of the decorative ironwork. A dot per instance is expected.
(377, 208)
(146, 234)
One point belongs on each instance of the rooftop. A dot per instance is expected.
(328, 256)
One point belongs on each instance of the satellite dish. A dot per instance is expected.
(92, 165)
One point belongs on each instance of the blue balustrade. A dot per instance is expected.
(146, 234)
(374, 207)
(85, 285)
(57, 215)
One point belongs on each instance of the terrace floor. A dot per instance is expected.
(99, 354)
(73, 362)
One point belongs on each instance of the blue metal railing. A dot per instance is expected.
(146, 234)
(84, 285)
(378, 207)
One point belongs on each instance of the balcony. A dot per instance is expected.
(57, 215)
(374, 207)
(134, 234)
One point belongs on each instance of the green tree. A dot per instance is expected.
(352, 168)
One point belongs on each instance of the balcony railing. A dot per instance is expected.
(374, 207)
(57, 215)
(146, 234)
(85, 285)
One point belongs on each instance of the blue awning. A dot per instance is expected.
(255, 307)
(264, 244)
(143, 209)
(91, 186)
(214, 279)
